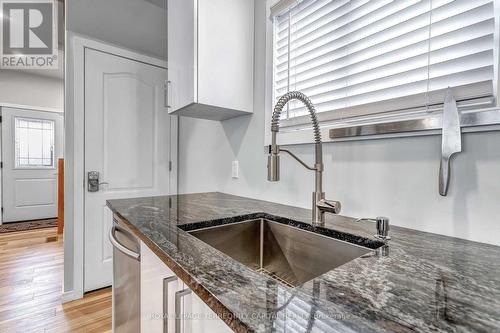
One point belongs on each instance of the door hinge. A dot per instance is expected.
(0, 119)
(169, 165)
(1, 165)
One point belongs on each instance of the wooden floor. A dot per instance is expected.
(31, 273)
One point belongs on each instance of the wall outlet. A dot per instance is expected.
(235, 170)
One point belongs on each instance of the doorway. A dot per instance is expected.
(32, 118)
(127, 147)
(32, 143)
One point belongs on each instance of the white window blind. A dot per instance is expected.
(363, 57)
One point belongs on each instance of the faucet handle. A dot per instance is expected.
(329, 206)
(382, 226)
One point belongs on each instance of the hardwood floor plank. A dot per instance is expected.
(31, 272)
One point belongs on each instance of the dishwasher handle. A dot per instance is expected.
(128, 252)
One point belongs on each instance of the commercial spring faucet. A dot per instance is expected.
(320, 205)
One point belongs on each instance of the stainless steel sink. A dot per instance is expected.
(287, 254)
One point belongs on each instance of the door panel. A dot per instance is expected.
(182, 52)
(158, 287)
(31, 144)
(28, 192)
(205, 320)
(127, 133)
(136, 131)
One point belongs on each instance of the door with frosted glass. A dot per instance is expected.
(31, 144)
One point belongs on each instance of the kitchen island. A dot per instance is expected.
(423, 282)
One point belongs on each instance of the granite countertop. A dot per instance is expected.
(427, 282)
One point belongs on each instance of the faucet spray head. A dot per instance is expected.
(273, 164)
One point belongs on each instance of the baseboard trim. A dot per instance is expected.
(71, 295)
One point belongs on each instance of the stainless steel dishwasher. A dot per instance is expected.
(126, 279)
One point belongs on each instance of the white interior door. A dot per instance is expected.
(32, 141)
(127, 141)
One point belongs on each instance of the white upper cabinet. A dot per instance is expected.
(210, 58)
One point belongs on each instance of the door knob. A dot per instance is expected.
(93, 181)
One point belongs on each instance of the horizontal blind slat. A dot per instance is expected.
(341, 23)
(414, 57)
(343, 53)
(471, 78)
(413, 98)
(355, 42)
(334, 98)
(398, 45)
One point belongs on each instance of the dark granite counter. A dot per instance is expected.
(427, 282)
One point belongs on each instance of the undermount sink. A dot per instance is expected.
(287, 254)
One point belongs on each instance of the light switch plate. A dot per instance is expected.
(235, 170)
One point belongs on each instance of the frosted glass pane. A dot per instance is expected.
(34, 143)
(23, 123)
(47, 144)
(35, 124)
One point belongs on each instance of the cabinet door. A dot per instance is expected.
(158, 287)
(196, 316)
(182, 53)
(226, 53)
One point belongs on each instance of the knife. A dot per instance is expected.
(451, 140)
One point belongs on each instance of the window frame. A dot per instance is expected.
(33, 167)
(299, 131)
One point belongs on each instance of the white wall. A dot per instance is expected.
(21, 88)
(134, 24)
(137, 25)
(397, 178)
(203, 151)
